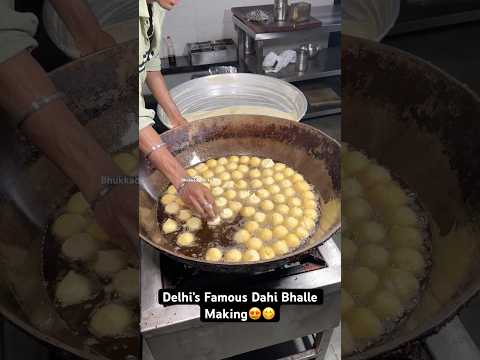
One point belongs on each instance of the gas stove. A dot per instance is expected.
(176, 332)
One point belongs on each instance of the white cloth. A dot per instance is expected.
(274, 63)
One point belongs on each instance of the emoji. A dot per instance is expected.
(254, 313)
(268, 313)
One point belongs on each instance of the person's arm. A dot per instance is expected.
(156, 83)
(83, 25)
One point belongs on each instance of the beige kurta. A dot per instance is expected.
(148, 54)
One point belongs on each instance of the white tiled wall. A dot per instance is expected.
(202, 20)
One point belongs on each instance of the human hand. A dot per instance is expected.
(199, 198)
(179, 121)
(101, 40)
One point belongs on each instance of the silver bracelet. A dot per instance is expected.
(153, 149)
(37, 105)
(187, 180)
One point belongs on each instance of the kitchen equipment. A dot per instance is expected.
(249, 47)
(258, 15)
(280, 10)
(425, 125)
(311, 49)
(300, 11)
(302, 59)
(300, 146)
(212, 52)
(101, 90)
(226, 90)
(216, 70)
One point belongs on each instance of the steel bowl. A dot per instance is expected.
(312, 49)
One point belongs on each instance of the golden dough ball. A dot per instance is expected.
(354, 162)
(260, 217)
(357, 209)
(235, 206)
(360, 281)
(67, 225)
(370, 232)
(279, 198)
(267, 253)
(301, 186)
(184, 215)
(256, 184)
(291, 223)
(348, 343)
(95, 231)
(109, 262)
(280, 247)
(213, 254)
(293, 241)
(267, 163)
(127, 284)
(255, 173)
(208, 174)
(408, 237)
(301, 232)
(401, 283)
(243, 194)
(212, 163)
(237, 175)
(202, 167)
(169, 226)
(243, 168)
(73, 289)
(347, 303)
(403, 216)
(180, 202)
(111, 320)
(288, 172)
(283, 209)
(219, 169)
(279, 167)
(215, 182)
(217, 191)
(254, 243)
(233, 158)
(241, 236)
(233, 255)
(230, 194)
(227, 214)
(351, 188)
(410, 260)
(77, 204)
(265, 234)
(310, 213)
(278, 177)
(295, 202)
(171, 190)
(286, 184)
(255, 161)
(172, 209)
(280, 231)
(289, 192)
(295, 178)
(229, 184)
(276, 219)
(80, 247)
(269, 180)
(386, 306)
(232, 167)
(248, 211)
(373, 175)
(274, 189)
(308, 224)
(310, 204)
(126, 162)
(221, 202)
(263, 193)
(251, 226)
(267, 205)
(364, 324)
(185, 239)
(373, 256)
(225, 176)
(168, 199)
(349, 250)
(244, 159)
(387, 196)
(241, 184)
(191, 172)
(251, 255)
(194, 224)
(222, 161)
(267, 173)
(309, 195)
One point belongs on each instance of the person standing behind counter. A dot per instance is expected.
(196, 195)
